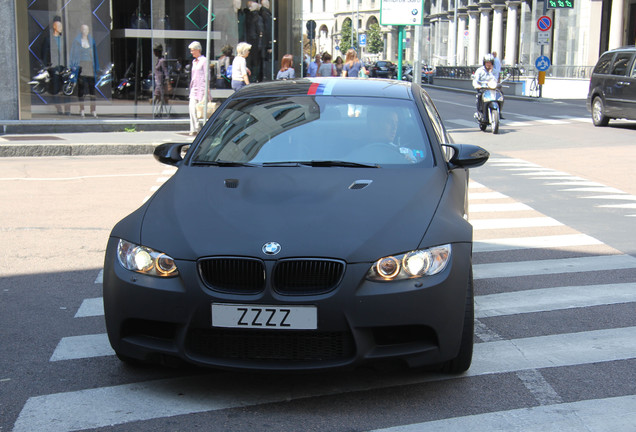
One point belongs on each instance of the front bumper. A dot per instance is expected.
(419, 321)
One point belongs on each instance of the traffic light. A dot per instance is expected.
(560, 4)
(311, 29)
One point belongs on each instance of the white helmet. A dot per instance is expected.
(488, 58)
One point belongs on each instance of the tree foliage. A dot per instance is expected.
(375, 44)
(345, 37)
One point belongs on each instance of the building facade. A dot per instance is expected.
(462, 33)
(65, 55)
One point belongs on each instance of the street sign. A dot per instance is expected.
(543, 38)
(544, 23)
(401, 12)
(558, 4)
(363, 40)
(542, 63)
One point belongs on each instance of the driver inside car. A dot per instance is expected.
(383, 125)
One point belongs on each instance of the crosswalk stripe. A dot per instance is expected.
(504, 223)
(79, 347)
(501, 207)
(91, 307)
(165, 398)
(613, 197)
(100, 277)
(550, 299)
(504, 244)
(610, 414)
(554, 266)
(620, 206)
(604, 189)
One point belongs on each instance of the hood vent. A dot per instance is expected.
(360, 184)
(231, 183)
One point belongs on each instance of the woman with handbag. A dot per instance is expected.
(326, 69)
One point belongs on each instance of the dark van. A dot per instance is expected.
(612, 91)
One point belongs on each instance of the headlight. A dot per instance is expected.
(414, 264)
(144, 260)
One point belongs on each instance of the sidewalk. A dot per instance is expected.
(84, 138)
(88, 143)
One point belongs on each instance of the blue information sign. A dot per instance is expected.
(543, 63)
(363, 40)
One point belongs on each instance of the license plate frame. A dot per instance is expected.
(264, 317)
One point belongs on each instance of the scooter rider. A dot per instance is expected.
(480, 80)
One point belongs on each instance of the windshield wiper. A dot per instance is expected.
(322, 163)
(223, 163)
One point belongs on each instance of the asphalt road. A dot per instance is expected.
(555, 283)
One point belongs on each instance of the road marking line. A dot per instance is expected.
(79, 347)
(551, 299)
(554, 266)
(489, 224)
(552, 121)
(475, 185)
(575, 183)
(610, 414)
(504, 244)
(76, 178)
(605, 189)
(462, 122)
(100, 277)
(618, 206)
(473, 196)
(540, 388)
(91, 307)
(502, 207)
(612, 197)
(180, 396)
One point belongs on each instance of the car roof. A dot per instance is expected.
(628, 48)
(329, 87)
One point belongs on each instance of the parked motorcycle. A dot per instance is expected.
(43, 80)
(491, 100)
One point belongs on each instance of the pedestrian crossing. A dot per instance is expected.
(524, 121)
(502, 227)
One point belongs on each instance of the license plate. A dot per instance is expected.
(264, 316)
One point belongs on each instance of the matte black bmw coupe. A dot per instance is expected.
(312, 224)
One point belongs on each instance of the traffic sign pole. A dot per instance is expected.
(545, 11)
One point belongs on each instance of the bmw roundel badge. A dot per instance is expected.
(271, 248)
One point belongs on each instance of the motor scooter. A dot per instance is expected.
(41, 82)
(491, 100)
(69, 78)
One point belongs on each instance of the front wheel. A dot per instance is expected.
(495, 121)
(483, 126)
(598, 118)
(68, 88)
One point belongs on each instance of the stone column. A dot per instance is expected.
(510, 50)
(484, 27)
(462, 17)
(473, 17)
(497, 29)
(617, 26)
(451, 56)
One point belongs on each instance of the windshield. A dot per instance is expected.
(352, 131)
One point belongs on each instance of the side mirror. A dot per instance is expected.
(467, 156)
(170, 153)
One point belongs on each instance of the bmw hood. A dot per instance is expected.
(353, 214)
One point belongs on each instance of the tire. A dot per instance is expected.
(483, 126)
(598, 118)
(68, 88)
(462, 362)
(495, 121)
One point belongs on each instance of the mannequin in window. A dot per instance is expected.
(266, 15)
(53, 56)
(84, 61)
(254, 36)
